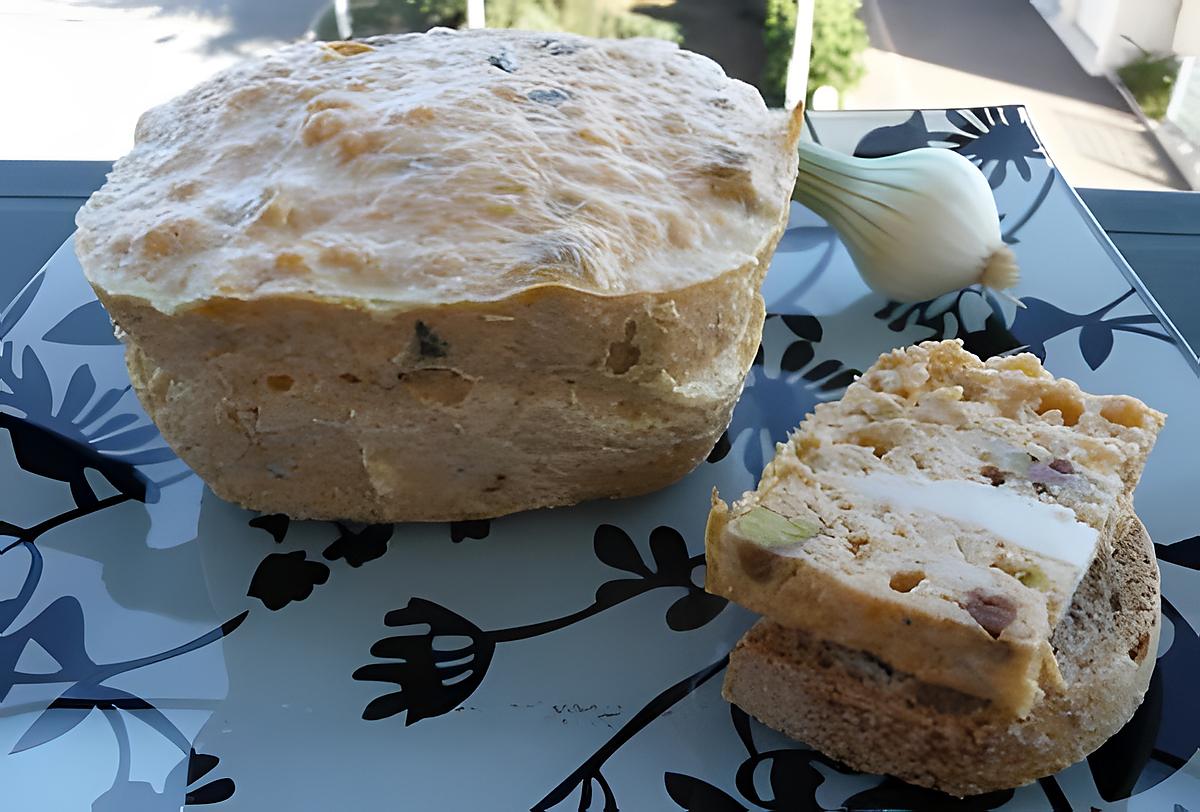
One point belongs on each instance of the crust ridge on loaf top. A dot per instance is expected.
(444, 167)
(940, 516)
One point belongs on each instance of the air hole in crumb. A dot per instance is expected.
(623, 355)
(1069, 406)
(906, 581)
(1122, 412)
(350, 377)
(279, 383)
(878, 446)
(845, 506)
(1114, 601)
(1137, 652)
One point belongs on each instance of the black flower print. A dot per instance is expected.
(913, 133)
(793, 780)
(772, 404)
(435, 670)
(441, 658)
(993, 138)
(972, 315)
(282, 578)
(694, 795)
(85, 431)
(285, 577)
(1040, 321)
(213, 791)
(358, 547)
(59, 629)
(590, 771)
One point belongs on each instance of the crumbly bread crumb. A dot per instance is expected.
(950, 509)
(860, 710)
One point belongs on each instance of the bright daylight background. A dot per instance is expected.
(1113, 85)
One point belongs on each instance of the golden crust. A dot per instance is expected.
(443, 167)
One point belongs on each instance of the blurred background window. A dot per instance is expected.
(1112, 85)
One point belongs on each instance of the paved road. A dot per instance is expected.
(956, 53)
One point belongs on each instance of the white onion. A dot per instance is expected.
(917, 224)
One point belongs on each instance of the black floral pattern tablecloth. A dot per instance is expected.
(159, 647)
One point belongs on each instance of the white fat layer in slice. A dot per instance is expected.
(1047, 530)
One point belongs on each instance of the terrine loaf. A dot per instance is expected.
(447, 275)
(861, 711)
(939, 517)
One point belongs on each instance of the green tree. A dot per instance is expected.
(595, 18)
(838, 40)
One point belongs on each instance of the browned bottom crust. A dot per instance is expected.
(854, 708)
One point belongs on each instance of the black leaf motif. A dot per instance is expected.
(952, 316)
(434, 673)
(793, 779)
(63, 444)
(774, 404)
(285, 577)
(213, 792)
(1041, 321)
(893, 794)
(1054, 794)
(995, 137)
(908, 135)
(838, 382)
(1095, 343)
(822, 370)
(86, 325)
(470, 529)
(695, 795)
(805, 326)
(721, 450)
(694, 610)
(797, 356)
(200, 765)
(668, 549)
(585, 794)
(274, 523)
(610, 593)
(13, 313)
(1185, 553)
(614, 547)
(357, 548)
